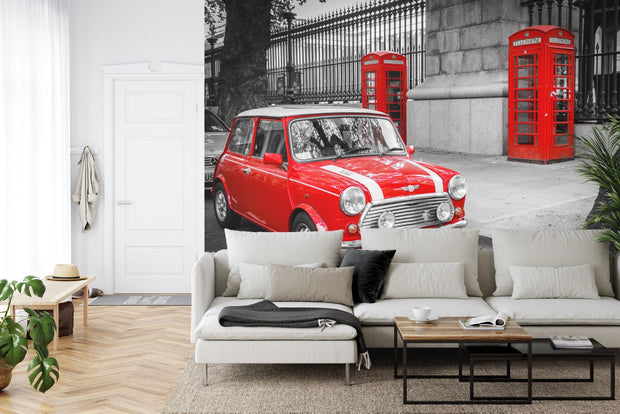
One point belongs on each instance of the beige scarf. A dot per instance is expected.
(86, 189)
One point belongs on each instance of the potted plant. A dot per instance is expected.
(601, 165)
(43, 369)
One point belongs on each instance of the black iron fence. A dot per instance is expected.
(596, 25)
(326, 51)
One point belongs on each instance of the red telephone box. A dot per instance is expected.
(541, 79)
(384, 82)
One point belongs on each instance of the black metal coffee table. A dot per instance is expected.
(542, 350)
(448, 330)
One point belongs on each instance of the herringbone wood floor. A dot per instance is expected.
(126, 361)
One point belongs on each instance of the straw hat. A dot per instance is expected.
(65, 272)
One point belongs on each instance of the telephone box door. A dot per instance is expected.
(561, 100)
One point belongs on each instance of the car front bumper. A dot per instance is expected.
(356, 244)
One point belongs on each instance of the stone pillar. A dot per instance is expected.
(462, 106)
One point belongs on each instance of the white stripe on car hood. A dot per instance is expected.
(375, 190)
(436, 178)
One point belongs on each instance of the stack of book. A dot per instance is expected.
(571, 342)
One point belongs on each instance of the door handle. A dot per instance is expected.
(246, 170)
(124, 203)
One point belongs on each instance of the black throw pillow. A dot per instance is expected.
(369, 275)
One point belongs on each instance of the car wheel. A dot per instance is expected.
(302, 222)
(226, 218)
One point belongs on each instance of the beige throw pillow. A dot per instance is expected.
(255, 279)
(425, 280)
(559, 247)
(279, 247)
(542, 282)
(430, 246)
(302, 284)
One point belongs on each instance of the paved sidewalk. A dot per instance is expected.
(508, 194)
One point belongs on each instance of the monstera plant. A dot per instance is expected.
(43, 369)
(601, 165)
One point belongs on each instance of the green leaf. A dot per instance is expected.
(6, 289)
(31, 285)
(13, 343)
(43, 373)
(41, 327)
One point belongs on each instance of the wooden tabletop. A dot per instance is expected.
(448, 329)
(55, 292)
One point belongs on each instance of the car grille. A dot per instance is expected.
(210, 162)
(209, 169)
(411, 211)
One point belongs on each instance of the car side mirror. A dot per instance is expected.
(410, 149)
(273, 158)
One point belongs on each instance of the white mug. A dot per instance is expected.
(421, 312)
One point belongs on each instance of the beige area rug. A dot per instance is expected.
(321, 389)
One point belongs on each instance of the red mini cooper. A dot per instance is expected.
(306, 168)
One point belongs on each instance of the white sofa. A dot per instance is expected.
(599, 319)
(216, 344)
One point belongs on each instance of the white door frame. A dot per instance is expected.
(149, 72)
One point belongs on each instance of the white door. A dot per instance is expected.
(155, 189)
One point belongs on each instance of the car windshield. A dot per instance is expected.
(337, 137)
(213, 123)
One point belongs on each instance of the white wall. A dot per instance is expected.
(108, 32)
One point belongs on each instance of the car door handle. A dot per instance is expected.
(124, 203)
(246, 170)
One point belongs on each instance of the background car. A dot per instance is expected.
(216, 132)
(306, 168)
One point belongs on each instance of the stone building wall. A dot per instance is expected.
(462, 104)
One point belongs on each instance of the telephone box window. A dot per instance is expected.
(527, 83)
(526, 128)
(527, 117)
(525, 140)
(527, 106)
(527, 94)
(561, 140)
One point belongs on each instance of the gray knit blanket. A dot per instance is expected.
(266, 313)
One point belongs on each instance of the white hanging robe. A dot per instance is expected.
(86, 189)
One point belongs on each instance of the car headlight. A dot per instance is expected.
(445, 212)
(457, 187)
(352, 201)
(386, 220)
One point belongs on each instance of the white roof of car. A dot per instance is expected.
(301, 110)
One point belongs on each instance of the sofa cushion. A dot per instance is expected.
(559, 247)
(255, 279)
(430, 246)
(290, 283)
(425, 280)
(565, 282)
(603, 311)
(369, 275)
(209, 327)
(279, 247)
(383, 312)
